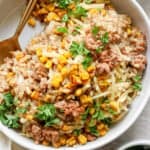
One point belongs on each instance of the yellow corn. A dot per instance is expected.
(47, 98)
(91, 68)
(78, 92)
(103, 132)
(52, 16)
(35, 95)
(76, 79)
(86, 99)
(50, 7)
(114, 105)
(129, 31)
(100, 126)
(62, 141)
(43, 59)
(48, 64)
(92, 111)
(93, 11)
(82, 139)
(56, 80)
(39, 52)
(71, 141)
(67, 54)
(66, 128)
(29, 117)
(42, 11)
(9, 75)
(32, 22)
(84, 75)
(64, 71)
(103, 12)
(62, 59)
(19, 56)
(49, 48)
(63, 43)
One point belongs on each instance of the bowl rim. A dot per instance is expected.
(135, 143)
(91, 146)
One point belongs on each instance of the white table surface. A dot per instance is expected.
(140, 129)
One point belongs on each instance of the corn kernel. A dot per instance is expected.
(19, 56)
(42, 11)
(100, 126)
(64, 71)
(62, 59)
(56, 80)
(82, 139)
(114, 105)
(92, 111)
(67, 54)
(61, 13)
(48, 64)
(35, 95)
(84, 75)
(75, 79)
(39, 52)
(63, 43)
(52, 16)
(49, 48)
(50, 7)
(62, 141)
(47, 98)
(91, 68)
(129, 31)
(103, 132)
(86, 99)
(29, 117)
(9, 75)
(43, 59)
(32, 22)
(103, 12)
(71, 141)
(93, 11)
(66, 128)
(78, 92)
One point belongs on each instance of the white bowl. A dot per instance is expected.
(140, 19)
(135, 143)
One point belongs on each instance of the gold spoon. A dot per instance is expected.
(12, 43)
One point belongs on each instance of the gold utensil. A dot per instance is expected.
(12, 43)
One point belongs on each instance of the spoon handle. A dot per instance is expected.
(25, 16)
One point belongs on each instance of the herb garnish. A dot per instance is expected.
(47, 113)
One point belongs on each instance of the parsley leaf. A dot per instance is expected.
(77, 132)
(105, 38)
(63, 3)
(62, 30)
(87, 61)
(137, 86)
(65, 18)
(85, 115)
(52, 122)
(98, 115)
(95, 30)
(79, 12)
(8, 99)
(137, 78)
(94, 131)
(46, 112)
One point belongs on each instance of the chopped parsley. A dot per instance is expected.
(86, 113)
(65, 18)
(79, 12)
(62, 30)
(79, 49)
(105, 38)
(94, 131)
(77, 132)
(95, 30)
(137, 84)
(47, 113)
(99, 49)
(64, 3)
(7, 114)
